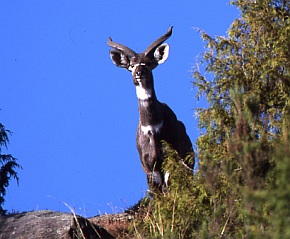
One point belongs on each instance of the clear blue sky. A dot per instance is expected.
(74, 114)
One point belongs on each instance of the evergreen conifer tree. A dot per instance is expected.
(8, 165)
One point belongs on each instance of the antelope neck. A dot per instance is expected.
(150, 113)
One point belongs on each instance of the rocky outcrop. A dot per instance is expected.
(117, 224)
(48, 224)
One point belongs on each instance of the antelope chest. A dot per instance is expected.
(149, 141)
(150, 130)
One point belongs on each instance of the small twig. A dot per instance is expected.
(184, 164)
(138, 235)
(173, 212)
(224, 227)
(76, 219)
(95, 229)
(160, 227)
(237, 169)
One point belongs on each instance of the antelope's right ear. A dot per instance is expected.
(119, 58)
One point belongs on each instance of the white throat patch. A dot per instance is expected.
(142, 93)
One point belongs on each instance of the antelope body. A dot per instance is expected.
(157, 122)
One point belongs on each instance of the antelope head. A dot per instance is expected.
(141, 64)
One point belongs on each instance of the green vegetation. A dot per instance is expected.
(8, 165)
(242, 187)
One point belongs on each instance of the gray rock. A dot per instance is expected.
(48, 224)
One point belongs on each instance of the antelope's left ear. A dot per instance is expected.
(161, 53)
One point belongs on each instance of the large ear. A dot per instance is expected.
(161, 53)
(119, 58)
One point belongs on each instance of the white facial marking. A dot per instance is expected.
(132, 68)
(151, 128)
(141, 92)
